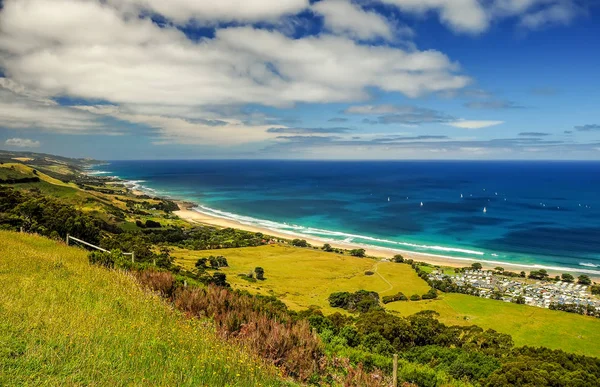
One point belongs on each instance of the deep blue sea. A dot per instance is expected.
(530, 213)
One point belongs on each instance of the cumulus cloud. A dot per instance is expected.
(183, 11)
(467, 124)
(147, 64)
(343, 17)
(22, 143)
(558, 14)
(156, 76)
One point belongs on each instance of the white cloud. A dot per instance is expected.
(372, 109)
(159, 77)
(182, 11)
(22, 109)
(475, 16)
(468, 124)
(22, 143)
(462, 15)
(343, 17)
(179, 130)
(558, 14)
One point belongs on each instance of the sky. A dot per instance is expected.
(301, 79)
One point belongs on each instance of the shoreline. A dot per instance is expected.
(187, 212)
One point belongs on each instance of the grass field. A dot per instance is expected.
(64, 322)
(527, 325)
(304, 277)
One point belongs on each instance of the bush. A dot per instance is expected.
(152, 224)
(300, 243)
(369, 272)
(361, 253)
(415, 297)
(430, 295)
(260, 273)
(360, 301)
(396, 297)
(398, 258)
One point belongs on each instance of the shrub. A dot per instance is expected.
(360, 301)
(415, 297)
(300, 243)
(430, 295)
(157, 281)
(398, 258)
(152, 224)
(260, 273)
(361, 253)
(369, 272)
(396, 297)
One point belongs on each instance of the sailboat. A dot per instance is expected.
(484, 210)
(388, 198)
(461, 196)
(421, 204)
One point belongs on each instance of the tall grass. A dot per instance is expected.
(64, 322)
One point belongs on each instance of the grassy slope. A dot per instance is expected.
(527, 325)
(303, 277)
(63, 322)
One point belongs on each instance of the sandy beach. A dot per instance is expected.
(186, 212)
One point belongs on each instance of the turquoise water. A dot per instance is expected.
(544, 214)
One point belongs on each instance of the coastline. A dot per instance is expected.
(187, 212)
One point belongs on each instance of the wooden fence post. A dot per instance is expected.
(67, 239)
(133, 257)
(395, 376)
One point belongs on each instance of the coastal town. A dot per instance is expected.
(542, 294)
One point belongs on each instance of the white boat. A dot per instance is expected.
(421, 204)
(388, 199)
(484, 210)
(461, 196)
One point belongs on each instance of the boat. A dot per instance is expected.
(484, 210)
(421, 204)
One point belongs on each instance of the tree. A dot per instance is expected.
(398, 258)
(567, 277)
(499, 269)
(201, 263)
(519, 300)
(219, 279)
(595, 289)
(584, 280)
(415, 297)
(539, 274)
(476, 266)
(358, 253)
(260, 273)
(522, 274)
(327, 247)
(300, 243)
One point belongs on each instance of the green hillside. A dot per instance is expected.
(64, 322)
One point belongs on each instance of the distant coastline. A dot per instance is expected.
(191, 212)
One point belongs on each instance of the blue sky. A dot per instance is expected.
(330, 79)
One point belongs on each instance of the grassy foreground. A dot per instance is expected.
(64, 322)
(304, 277)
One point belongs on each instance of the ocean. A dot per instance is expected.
(535, 214)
